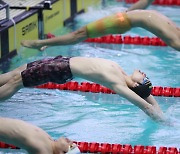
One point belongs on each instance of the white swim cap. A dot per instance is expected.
(74, 150)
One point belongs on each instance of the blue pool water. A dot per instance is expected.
(100, 117)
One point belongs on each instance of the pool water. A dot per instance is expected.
(107, 118)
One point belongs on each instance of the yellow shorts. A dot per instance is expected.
(114, 24)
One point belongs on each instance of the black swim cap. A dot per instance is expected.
(144, 89)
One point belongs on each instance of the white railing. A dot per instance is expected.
(14, 12)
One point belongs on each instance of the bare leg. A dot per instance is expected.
(71, 38)
(4, 78)
(10, 83)
(158, 24)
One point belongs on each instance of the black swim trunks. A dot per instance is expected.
(55, 70)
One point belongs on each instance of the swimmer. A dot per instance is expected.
(118, 23)
(141, 4)
(135, 87)
(31, 138)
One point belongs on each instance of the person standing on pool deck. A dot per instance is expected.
(33, 139)
(117, 23)
(135, 87)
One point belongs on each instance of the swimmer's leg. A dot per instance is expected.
(113, 24)
(67, 39)
(4, 78)
(10, 83)
(158, 24)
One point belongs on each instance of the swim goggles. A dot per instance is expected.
(145, 81)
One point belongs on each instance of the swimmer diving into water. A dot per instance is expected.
(135, 87)
(118, 23)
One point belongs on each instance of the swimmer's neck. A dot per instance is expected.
(129, 81)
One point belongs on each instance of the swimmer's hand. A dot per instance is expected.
(33, 44)
(162, 119)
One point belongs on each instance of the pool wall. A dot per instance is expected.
(34, 24)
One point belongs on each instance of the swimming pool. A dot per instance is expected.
(100, 117)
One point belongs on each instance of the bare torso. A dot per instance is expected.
(97, 70)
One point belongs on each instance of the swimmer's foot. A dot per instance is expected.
(33, 44)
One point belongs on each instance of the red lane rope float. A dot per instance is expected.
(7, 146)
(97, 88)
(123, 149)
(157, 2)
(105, 148)
(50, 35)
(136, 40)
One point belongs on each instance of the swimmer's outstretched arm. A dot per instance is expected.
(151, 109)
(141, 4)
(151, 100)
(25, 136)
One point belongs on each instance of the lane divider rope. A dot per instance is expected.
(119, 39)
(97, 88)
(106, 148)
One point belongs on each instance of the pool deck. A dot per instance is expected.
(14, 12)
